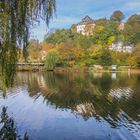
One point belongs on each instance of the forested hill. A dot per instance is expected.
(73, 48)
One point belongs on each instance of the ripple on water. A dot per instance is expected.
(87, 108)
(123, 92)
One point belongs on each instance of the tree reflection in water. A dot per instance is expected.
(8, 129)
(88, 95)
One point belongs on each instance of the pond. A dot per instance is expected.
(75, 106)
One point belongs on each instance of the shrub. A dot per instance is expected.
(52, 59)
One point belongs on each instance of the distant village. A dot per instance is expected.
(87, 43)
(86, 27)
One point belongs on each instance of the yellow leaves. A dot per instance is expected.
(131, 61)
(71, 63)
(78, 52)
(122, 37)
(99, 42)
(99, 28)
(97, 51)
(54, 50)
(111, 39)
(91, 51)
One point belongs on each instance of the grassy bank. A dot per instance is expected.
(42, 68)
(31, 67)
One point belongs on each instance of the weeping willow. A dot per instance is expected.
(16, 18)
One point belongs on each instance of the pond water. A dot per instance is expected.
(68, 106)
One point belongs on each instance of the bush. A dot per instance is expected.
(89, 62)
(106, 58)
(52, 59)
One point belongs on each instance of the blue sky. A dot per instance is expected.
(72, 11)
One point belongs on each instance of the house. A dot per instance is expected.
(121, 26)
(116, 47)
(86, 26)
(128, 48)
(44, 49)
(120, 47)
(114, 67)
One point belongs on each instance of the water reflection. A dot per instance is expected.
(86, 94)
(8, 130)
(113, 99)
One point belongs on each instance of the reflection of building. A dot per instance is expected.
(119, 93)
(98, 75)
(113, 76)
(86, 26)
(86, 109)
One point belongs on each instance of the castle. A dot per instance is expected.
(86, 26)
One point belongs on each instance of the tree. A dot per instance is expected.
(136, 54)
(51, 59)
(102, 34)
(132, 29)
(66, 52)
(105, 59)
(102, 56)
(111, 39)
(101, 22)
(60, 36)
(135, 38)
(34, 51)
(120, 58)
(117, 16)
(16, 17)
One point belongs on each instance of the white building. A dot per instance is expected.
(121, 26)
(119, 47)
(86, 26)
(128, 49)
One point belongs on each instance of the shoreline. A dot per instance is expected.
(74, 69)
